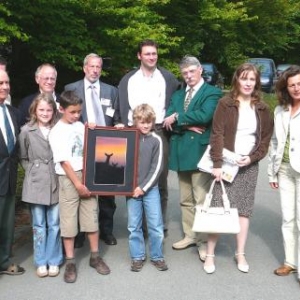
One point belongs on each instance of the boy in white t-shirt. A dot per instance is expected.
(75, 201)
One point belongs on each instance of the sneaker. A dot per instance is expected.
(100, 266)
(70, 273)
(136, 265)
(53, 271)
(160, 265)
(42, 271)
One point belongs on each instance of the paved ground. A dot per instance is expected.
(185, 279)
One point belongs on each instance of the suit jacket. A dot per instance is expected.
(25, 105)
(186, 146)
(9, 162)
(107, 92)
(284, 125)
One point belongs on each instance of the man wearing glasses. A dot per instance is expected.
(45, 77)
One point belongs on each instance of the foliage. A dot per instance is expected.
(220, 31)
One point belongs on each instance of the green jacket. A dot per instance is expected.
(186, 146)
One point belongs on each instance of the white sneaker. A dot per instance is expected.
(53, 271)
(42, 271)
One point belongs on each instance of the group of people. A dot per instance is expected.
(176, 123)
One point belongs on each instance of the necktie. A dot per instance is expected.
(98, 111)
(9, 133)
(188, 99)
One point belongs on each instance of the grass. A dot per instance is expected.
(271, 100)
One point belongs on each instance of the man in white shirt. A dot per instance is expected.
(152, 85)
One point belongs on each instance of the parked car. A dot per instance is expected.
(212, 75)
(281, 68)
(268, 76)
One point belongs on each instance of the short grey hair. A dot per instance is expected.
(91, 55)
(39, 69)
(188, 60)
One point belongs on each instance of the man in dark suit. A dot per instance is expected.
(8, 179)
(105, 105)
(45, 77)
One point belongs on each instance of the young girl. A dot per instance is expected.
(40, 186)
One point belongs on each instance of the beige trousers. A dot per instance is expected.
(193, 186)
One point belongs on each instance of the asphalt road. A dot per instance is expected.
(185, 279)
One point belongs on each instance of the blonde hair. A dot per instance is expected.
(144, 112)
(48, 98)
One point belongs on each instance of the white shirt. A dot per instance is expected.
(150, 90)
(88, 99)
(66, 141)
(195, 88)
(246, 131)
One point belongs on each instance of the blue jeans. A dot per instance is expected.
(150, 204)
(47, 245)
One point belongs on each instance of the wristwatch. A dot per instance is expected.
(176, 116)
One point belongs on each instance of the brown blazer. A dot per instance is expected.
(225, 126)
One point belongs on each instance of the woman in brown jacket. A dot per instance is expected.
(243, 124)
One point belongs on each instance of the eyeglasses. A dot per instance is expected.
(52, 79)
(293, 86)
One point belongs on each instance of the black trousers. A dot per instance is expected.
(107, 208)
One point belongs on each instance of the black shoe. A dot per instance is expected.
(109, 239)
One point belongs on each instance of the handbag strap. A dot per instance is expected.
(209, 196)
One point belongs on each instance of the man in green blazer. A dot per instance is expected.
(189, 120)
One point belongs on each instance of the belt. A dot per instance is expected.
(158, 126)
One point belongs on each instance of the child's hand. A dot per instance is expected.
(83, 191)
(138, 192)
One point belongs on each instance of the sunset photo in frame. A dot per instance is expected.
(110, 160)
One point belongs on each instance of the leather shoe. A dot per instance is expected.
(284, 270)
(184, 243)
(109, 239)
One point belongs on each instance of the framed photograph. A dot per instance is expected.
(110, 160)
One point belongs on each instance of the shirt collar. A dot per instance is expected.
(87, 84)
(196, 87)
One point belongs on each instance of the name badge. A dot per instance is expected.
(110, 112)
(105, 102)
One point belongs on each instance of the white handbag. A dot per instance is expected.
(216, 219)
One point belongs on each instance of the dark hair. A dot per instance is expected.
(243, 70)
(48, 98)
(69, 98)
(146, 42)
(282, 93)
(3, 61)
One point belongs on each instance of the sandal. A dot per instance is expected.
(13, 269)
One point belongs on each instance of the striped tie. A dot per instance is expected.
(188, 99)
(9, 133)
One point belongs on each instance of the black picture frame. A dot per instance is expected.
(110, 160)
